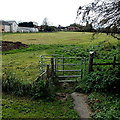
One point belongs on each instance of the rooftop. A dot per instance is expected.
(4, 22)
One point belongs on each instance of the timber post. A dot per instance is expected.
(52, 67)
(91, 56)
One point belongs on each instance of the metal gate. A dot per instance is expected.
(67, 69)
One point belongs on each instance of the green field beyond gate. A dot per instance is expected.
(25, 62)
(64, 38)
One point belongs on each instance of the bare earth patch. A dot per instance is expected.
(7, 45)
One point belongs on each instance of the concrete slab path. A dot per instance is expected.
(81, 106)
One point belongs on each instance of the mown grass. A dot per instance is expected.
(65, 38)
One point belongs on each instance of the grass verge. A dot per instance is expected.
(21, 107)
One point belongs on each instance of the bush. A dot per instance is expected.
(38, 89)
(101, 81)
(44, 89)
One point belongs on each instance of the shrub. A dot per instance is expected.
(38, 89)
(102, 81)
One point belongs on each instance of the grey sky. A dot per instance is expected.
(58, 12)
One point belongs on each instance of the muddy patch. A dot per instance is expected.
(7, 45)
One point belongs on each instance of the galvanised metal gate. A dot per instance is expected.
(67, 69)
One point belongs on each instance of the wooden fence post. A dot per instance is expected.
(91, 56)
(114, 61)
(52, 67)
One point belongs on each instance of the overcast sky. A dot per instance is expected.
(58, 12)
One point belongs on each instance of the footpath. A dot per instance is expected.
(81, 106)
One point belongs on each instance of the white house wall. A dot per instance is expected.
(6, 28)
(14, 27)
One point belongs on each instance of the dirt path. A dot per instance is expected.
(81, 106)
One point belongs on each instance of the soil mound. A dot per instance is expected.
(7, 45)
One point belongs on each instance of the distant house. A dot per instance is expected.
(13, 26)
(8, 26)
(70, 28)
(4, 26)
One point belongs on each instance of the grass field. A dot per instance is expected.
(26, 61)
(24, 64)
(65, 38)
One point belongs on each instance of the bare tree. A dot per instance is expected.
(101, 14)
(45, 22)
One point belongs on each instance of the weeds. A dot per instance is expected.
(40, 89)
(12, 84)
(105, 106)
(101, 81)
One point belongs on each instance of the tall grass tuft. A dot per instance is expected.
(14, 85)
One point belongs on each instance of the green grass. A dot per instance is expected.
(65, 38)
(21, 107)
(24, 63)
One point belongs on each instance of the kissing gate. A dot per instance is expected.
(66, 69)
